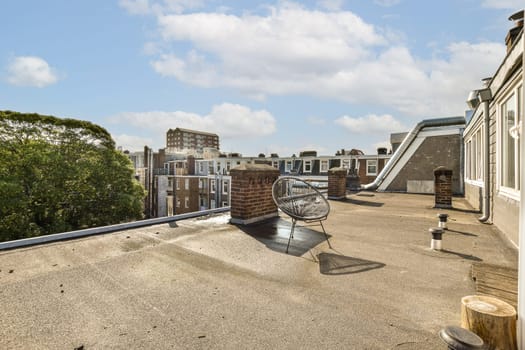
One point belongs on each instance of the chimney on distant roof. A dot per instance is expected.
(513, 32)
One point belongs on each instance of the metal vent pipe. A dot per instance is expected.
(427, 123)
(486, 165)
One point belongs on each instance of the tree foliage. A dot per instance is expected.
(59, 175)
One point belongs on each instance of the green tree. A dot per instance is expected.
(59, 175)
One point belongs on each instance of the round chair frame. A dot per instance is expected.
(301, 201)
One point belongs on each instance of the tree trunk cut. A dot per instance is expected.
(493, 320)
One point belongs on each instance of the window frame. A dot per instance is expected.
(474, 156)
(288, 166)
(514, 92)
(325, 168)
(310, 165)
(369, 164)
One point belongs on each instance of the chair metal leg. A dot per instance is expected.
(326, 236)
(291, 234)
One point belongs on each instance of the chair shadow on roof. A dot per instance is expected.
(351, 200)
(274, 234)
(334, 264)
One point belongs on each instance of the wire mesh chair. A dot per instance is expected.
(301, 201)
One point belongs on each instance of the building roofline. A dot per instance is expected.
(194, 131)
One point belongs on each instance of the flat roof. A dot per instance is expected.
(204, 283)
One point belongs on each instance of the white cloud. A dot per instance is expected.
(370, 124)
(335, 55)
(227, 120)
(503, 4)
(259, 55)
(30, 71)
(132, 143)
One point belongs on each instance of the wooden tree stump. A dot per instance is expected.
(493, 320)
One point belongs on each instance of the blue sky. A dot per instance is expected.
(267, 76)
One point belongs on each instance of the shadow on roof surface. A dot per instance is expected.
(334, 264)
(274, 234)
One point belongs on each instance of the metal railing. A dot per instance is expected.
(106, 229)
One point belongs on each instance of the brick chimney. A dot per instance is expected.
(251, 193)
(443, 187)
(513, 32)
(337, 183)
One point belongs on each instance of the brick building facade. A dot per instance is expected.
(183, 139)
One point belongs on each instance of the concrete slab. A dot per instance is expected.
(204, 284)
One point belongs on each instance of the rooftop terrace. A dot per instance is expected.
(203, 283)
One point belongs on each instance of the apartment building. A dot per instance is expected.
(178, 185)
(180, 139)
(181, 194)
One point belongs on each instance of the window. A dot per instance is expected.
(212, 203)
(307, 166)
(468, 162)
(201, 168)
(224, 203)
(228, 166)
(324, 166)
(275, 164)
(510, 120)
(178, 203)
(178, 184)
(225, 187)
(186, 202)
(186, 184)
(474, 156)
(371, 167)
(346, 163)
(288, 166)
(478, 154)
(212, 186)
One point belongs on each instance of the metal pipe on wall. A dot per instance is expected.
(486, 162)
